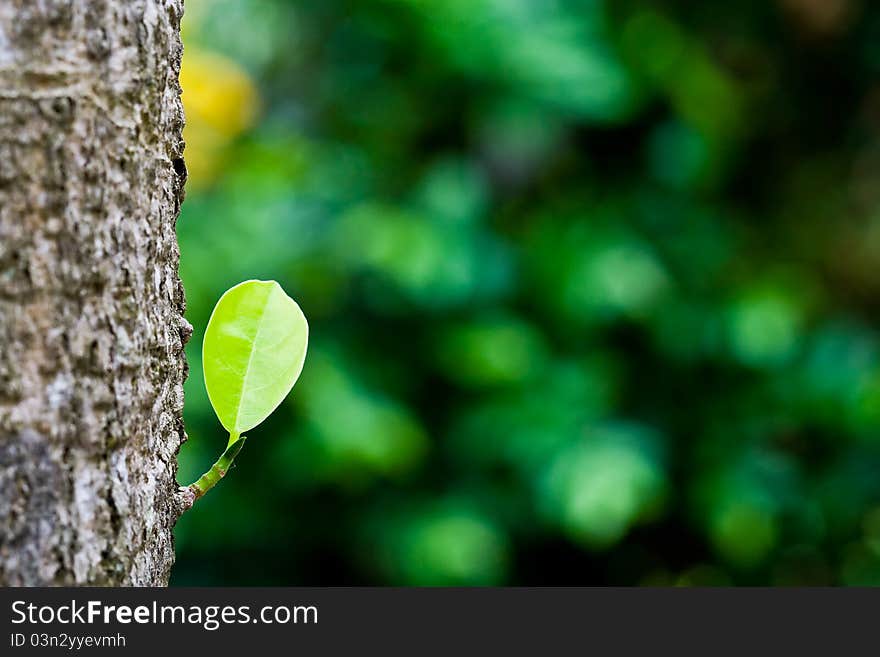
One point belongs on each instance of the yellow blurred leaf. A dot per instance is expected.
(221, 101)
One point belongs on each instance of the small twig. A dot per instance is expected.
(207, 481)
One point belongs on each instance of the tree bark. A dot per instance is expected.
(91, 305)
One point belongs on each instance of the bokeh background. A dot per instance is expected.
(593, 286)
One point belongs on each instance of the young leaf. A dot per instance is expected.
(253, 353)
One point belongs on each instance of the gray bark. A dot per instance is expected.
(91, 305)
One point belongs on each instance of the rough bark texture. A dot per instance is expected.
(91, 305)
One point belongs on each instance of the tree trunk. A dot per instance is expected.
(91, 305)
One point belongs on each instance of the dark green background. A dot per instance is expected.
(593, 290)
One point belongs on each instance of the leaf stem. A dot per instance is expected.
(208, 480)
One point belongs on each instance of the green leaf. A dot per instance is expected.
(253, 353)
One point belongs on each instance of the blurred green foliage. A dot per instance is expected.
(592, 289)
